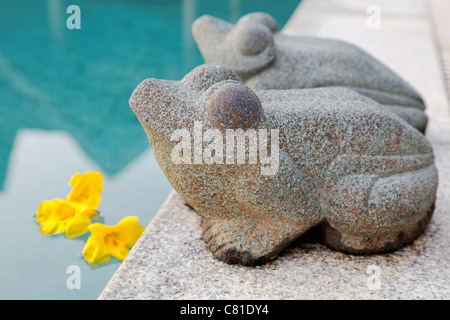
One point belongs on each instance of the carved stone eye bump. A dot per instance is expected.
(261, 18)
(231, 105)
(206, 75)
(249, 38)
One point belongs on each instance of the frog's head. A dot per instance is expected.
(246, 47)
(210, 93)
(162, 106)
(209, 100)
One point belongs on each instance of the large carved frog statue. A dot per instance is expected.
(327, 158)
(265, 58)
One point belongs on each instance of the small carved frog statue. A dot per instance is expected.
(265, 58)
(323, 158)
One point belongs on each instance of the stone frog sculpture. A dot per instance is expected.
(265, 58)
(339, 163)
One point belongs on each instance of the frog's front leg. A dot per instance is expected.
(275, 210)
(248, 241)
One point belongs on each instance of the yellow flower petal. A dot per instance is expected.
(91, 213)
(94, 252)
(86, 189)
(53, 215)
(128, 231)
(58, 216)
(44, 211)
(78, 225)
(105, 241)
(120, 253)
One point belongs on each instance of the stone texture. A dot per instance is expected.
(171, 261)
(363, 177)
(265, 58)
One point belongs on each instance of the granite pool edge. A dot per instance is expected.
(170, 261)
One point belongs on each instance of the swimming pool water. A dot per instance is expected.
(64, 109)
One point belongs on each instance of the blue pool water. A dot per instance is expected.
(64, 109)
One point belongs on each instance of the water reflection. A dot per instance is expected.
(189, 46)
(55, 20)
(79, 81)
(64, 109)
(34, 265)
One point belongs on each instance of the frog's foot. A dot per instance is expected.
(372, 214)
(361, 244)
(413, 116)
(248, 242)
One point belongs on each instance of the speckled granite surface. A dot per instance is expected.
(170, 261)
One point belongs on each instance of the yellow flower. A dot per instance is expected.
(86, 189)
(58, 216)
(106, 241)
(72, 215)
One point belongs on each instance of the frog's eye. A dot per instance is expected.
(205, 75)
(249, 39)
(261, 18)
(231, 105)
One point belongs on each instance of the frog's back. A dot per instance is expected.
(318, 125)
